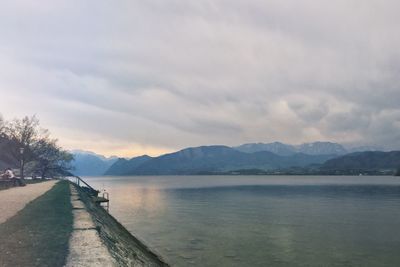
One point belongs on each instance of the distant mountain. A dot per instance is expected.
(126, 167)
(276, 147)
(211, 159)
(370, 160)
(90, 164)
(316, 148)
(322, 148)
(364, 149)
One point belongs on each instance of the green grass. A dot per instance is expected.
(39, 234)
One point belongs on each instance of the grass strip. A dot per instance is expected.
(38, 235)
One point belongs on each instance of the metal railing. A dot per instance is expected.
(84, 185)
(103, 200)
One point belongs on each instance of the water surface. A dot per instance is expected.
(261, 220)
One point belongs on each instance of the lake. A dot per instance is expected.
(261, 220)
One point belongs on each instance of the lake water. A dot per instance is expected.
(261, 220)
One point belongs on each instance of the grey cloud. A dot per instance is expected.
(308, 108)
(183, 73)
(353, 120)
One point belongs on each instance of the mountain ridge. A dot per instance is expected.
(216, 158)
(123, 166)
(91, 164)
(369, 160)
(282, 149)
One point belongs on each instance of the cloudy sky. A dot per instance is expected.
(134, 77)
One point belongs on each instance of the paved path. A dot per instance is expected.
(15, 199)
(85, 246)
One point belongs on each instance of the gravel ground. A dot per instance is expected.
(14, 199)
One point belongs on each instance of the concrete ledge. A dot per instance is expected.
(73, 198)
(87, 250)
(82, 219)
(77, 204)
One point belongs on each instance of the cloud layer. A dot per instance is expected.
(133, 77)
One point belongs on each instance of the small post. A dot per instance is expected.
(21, 151)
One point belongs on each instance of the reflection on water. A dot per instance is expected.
(140, 199)
(262, 221)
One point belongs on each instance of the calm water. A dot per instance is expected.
(261, 220)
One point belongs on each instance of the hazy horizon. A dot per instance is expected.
(129, 78)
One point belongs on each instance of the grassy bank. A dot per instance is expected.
(39, 234)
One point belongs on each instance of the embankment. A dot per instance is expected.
(123, 246)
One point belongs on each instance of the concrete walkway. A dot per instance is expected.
(15, 199)
(85, 246)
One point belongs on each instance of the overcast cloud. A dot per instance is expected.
(134, 77)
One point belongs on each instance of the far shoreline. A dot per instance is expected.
(231, 174)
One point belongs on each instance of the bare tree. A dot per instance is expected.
(50, 158)
(1, 125)
(6, 159)
(24, 133)
(24, 141)
(26, 130)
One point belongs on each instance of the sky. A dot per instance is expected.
(137, 77)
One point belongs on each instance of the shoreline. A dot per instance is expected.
(355, 173)
(125, 248)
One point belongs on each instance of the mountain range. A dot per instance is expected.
(223, 159)
(368, 161)
(126, 166)
(211, 159)
(316, 148)
(91, 164)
